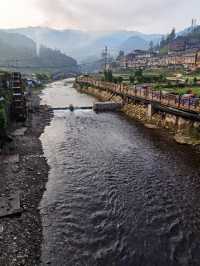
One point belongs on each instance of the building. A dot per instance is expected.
(177, 45)
(198, 60)
(189, 59)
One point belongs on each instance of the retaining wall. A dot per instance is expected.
(185, 131)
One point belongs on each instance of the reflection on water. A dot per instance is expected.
(61, 94)
(118, 193)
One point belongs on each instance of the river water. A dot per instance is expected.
(118, 193)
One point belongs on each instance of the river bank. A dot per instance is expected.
(24, 170)
(183, 131)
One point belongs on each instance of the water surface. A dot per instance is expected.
(118, 193)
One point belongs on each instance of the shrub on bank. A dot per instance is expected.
(3, 118)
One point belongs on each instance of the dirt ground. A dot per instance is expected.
(26, 172)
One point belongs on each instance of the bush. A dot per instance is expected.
(132, 79)
(120, 80)
(3, 118)
(115, 80)
(108, 76)
(195, 81)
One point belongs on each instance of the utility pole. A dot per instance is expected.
(16, 63)
(194, 24)
(105, 57)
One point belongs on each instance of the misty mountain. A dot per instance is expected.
(185, 31)
(15, 46)
(134, 43)
(17, 50)
(84, 44)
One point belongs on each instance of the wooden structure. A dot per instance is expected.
(18, 106)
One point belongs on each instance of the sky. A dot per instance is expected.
(148, 16)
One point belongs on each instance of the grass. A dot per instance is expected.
(195, 90)
(171, 75)
(181, 91)
(164, 50)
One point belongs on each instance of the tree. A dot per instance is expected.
(162, 78)
(108, 76)
(195, 81)
(162, 42)
(3, 118)
(120, 79)
(139, 75)
(115, 80)
(132, 79)
(105, 75)
(172, 35)
(169, 38)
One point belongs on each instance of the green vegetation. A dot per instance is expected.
(3, 117)
(132, 79)
(164, 50)
(6, 96)
(120, 79)
(177, 80)
(164, 43)
(108, 76)
(18, 51)
(140, 76)
(195, 33)
(43, 77)
(178, 90)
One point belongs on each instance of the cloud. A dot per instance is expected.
(142, 15)
(148, 15)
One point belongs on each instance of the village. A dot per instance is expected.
(181, 52)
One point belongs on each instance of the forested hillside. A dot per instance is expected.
(19, 51)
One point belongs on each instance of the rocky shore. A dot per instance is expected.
(24, 170)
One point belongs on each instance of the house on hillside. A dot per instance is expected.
(198, 59)
(193, 44)
(183, 44)
(177, 45)
(189, 59)
(137, 59)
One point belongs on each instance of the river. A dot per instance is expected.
(118, 193)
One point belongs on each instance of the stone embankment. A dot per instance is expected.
(185, 131)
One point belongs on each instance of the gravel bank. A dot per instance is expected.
(21, 235)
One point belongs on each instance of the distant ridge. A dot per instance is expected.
(17, 50)
(84, 44)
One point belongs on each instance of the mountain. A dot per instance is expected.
(15, 46)
(84, 44)
(134, 43)
(17, 50)
(187, 30)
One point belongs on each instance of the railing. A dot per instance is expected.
(189, 103)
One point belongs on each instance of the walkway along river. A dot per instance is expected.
(118, 193)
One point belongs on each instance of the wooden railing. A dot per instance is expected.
(189, 103)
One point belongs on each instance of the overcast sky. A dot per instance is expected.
(149, 16)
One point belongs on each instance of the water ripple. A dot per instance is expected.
(118, 194)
